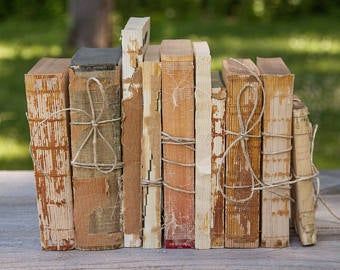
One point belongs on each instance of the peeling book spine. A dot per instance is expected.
(242, 205)
(151, 165)
(47, 93)
(276, 151)
(178, 116)
(218, 99)
(135, 40)
(95, 97)
(303, 191)
(202, 147)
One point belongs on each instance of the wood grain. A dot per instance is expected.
(178, 116)
(47, 92)
(277, 120)
(303, 192)
(151, 164)
(135, 39)
(241, 218)
(203, 147)
(218, 100)
(97, 198)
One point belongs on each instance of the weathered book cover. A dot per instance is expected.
(95, 95)
(203, 148)
(242, 205)
(277, 130)
(218, 100)
(303, 191)
(47, 94)
(135, 39)
(151, 163)
(178, 116)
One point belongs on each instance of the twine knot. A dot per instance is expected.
(94, 123)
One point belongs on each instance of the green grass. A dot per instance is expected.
(309, 46)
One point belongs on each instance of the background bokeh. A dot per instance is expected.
(305, 33)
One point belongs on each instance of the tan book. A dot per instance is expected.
(277, 130)
(218, 100)
(47, 95)
(135, 39)
(242, 205)
(178, 118)
(151, 163)
(303, 191)
(95, 97)
(203, 148)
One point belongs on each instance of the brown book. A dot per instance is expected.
(303, 212)
(178, 116)
(218, 100)
(95, 95)
(151, 163)
(135, 40)
(47, 95)
(277, 130)
(242, 207)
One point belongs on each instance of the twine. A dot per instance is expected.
(242, 137)
(186, 142)
(94, 121)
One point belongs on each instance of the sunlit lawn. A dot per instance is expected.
(310, 47)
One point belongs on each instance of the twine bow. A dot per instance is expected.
(94, 122)
(243, 135)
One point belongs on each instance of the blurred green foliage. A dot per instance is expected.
(246, 9)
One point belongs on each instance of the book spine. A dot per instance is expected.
(151, 170)
(133, 47)
(178, 116)
(47, 94)
(97, 198)
(203, 145)
(304, 207)
(217, 147)
(242, 217)
(277, 120)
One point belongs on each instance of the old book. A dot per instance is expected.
(242, 203)
(95, 95)
(151, 164)
(47, 98)
(203, 147)
(303, 191)
(178, 119)
(277, 130)
(135, 39)
(218, 99)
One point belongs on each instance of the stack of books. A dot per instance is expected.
(144, 146)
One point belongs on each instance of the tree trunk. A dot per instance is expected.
(91, 23)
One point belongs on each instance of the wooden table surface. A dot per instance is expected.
(20, 249)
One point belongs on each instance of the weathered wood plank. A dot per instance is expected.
(203, 147)
(135, 39)
(47, 92)
(178, 117)
(277, 120)
(151, 163)
(218, 100)
(242, 214)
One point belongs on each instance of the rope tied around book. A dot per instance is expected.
(243, 135)
(94, 122)
(174, 140)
